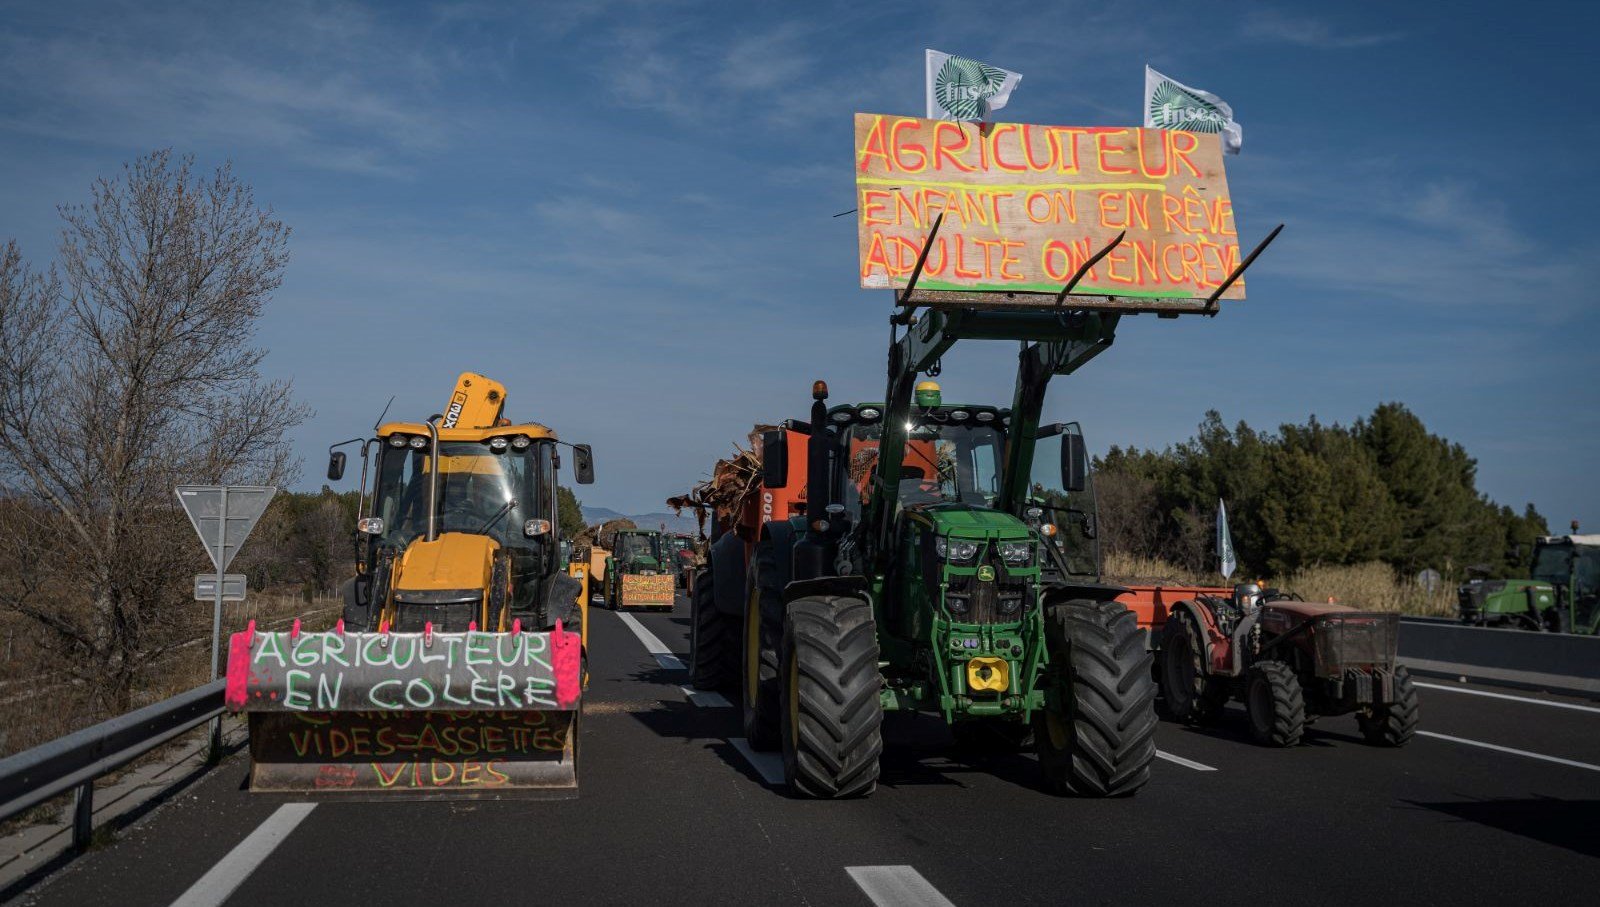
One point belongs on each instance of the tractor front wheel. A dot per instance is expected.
(1276, 704)
(1189, 691)
(1393, 723)
(1097, 737)
(763, 631)
(832, 714)
(713, 640)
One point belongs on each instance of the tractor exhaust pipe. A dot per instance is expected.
(433, 479)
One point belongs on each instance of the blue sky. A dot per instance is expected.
(622, 210)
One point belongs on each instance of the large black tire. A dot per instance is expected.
(1097, 739)
(1276, 704)
(1188, 691)
(1394, 723)
(713, 640)
(761, 633)
(832, 714)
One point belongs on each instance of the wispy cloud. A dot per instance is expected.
(336, 87)
(1307, 31)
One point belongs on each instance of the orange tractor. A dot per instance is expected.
(1290, 661)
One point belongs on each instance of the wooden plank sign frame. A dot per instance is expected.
(1024, 206)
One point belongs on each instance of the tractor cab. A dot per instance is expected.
(637, 551)
(459, 530)
(1570, 564)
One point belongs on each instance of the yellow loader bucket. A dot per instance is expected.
(640, 591)
(467, 715)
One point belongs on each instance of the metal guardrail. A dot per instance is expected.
(1558, 662)
(75, 761)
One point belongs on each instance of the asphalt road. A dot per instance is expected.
(672, 810)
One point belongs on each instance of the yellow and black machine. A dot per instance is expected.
(457, 667)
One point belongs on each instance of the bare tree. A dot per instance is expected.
(131, 372)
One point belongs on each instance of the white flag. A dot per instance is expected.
(1226, 562)
(1170, 104)
(966, 90)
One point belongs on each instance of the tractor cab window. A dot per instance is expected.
(1586, 564)
(1553, 564)
(944, 462)
(1072, 513)
(481, 491)
(636, 546)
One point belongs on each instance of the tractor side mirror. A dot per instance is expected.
(1074, 462)
(583, 464)
(336, 466)
(775, 458)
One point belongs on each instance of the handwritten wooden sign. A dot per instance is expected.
(1024, 206)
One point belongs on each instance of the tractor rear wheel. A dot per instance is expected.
(832, 714)
(762, 633)
(1189, 691)
(1097, 738)
(1393, 723)
(713, 640)
(1276, 704)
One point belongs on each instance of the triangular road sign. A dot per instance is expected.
(224, 531)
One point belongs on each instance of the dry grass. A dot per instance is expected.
(1374, 585)
(39, 704)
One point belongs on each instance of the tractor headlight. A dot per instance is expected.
(868, 414)
(1016, 554)
(956, 551)
(498, 444)
(521, 442)
(418, 442)
(397, 440)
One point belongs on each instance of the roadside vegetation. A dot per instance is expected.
(1354, 511)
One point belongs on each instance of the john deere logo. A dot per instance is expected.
(963, 87)
(1171, 107)
(986, 573)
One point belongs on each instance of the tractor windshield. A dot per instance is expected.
(481, 491)
(944, 462)
(636, 546)
(1553, 563)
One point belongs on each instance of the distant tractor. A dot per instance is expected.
(1563, 594)
(678, 557)
(634, 574)
(1289, 661)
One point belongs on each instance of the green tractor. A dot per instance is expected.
(937, 570)
(635, 577)
(1563, 594)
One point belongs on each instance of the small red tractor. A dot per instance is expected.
(1290, 661)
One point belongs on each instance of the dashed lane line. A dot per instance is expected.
(216, 885)
(1531, 701)
(768, 765)
(1186, 763)
(1515, 752)
(897, 886)
(707, 699)
(653, 645)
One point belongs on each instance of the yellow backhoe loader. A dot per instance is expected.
(457, 667)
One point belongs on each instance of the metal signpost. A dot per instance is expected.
(223, 515)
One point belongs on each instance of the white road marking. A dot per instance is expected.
(653, 645)
(215, 886)
(1555, 705)
(1186, 763)
(707, 699)
(1515, 752)
(897, 886)
(768, 765)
